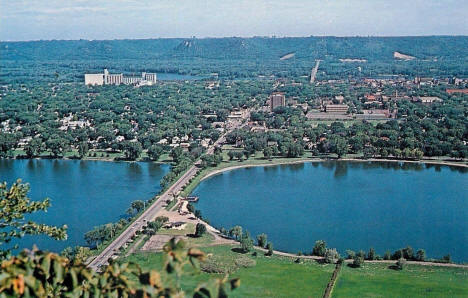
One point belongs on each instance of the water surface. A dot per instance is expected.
(83, 194)
(167, 76)
(350, 205)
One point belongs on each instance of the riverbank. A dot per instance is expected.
(270, 164)
(183, 215)
(100, 156)
(213, 193)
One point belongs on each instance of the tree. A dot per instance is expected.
(331, 255)
(269, 247)
(45, 274)
(138, 205)
(294, 150)
(34, 148)
(239, 155)
(319, 248)
(135, 207)
(339, 145)
(387, 255)
(268, 152)
(246, 242)
(398, 254)
(200, 230)
(447, 258)
(418, 154)
(83, 149)
(358, 261)
(421, 255)
(371, 254)
(231, 154)
(155, 151)
(154, 226)
(408, 253)
(132, 150)
(14, 206)
(262, 240)
(350, 254)
(7, 144)
(78, 254)
(236, 232)
(176, 154)
(57, 145)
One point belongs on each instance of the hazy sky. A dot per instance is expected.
(117, 19)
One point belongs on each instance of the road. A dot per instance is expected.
(150, 213)
(314, 71)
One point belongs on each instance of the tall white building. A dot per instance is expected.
(116, 79)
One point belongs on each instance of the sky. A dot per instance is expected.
(132, 19)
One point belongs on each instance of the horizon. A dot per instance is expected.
(245, 37)
(117, 20)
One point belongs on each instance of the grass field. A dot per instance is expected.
(269, 277)
(377, 280)
(281, 277)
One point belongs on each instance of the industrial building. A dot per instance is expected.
(336, 109)
(116, 79)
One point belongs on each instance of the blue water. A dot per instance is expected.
(83, 194)
(163, 76)
(350, 205)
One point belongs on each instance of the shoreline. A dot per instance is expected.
(287, 254)
(271, 164)
(104, 159)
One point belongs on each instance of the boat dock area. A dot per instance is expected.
(191, 199)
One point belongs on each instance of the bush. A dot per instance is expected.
(190, 207)
(371, 254)
(358, 261)
(397, 255)
(331, 255)
(262, 240)
(447, 259)
(246, 242)
(225, 264)
(269, 246)
(387, 255)
(350, 254)
(200, 229)
(245, 262)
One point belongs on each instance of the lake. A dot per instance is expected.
(350, 205)
(166, 76)
(83, 194)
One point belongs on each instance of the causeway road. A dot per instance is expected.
(149, 214)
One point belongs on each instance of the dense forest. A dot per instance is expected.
(65, 61)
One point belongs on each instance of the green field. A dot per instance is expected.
(269, 277)
(377, 280)
(282, 277)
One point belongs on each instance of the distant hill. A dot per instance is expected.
(235, 57)
(369, 48)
